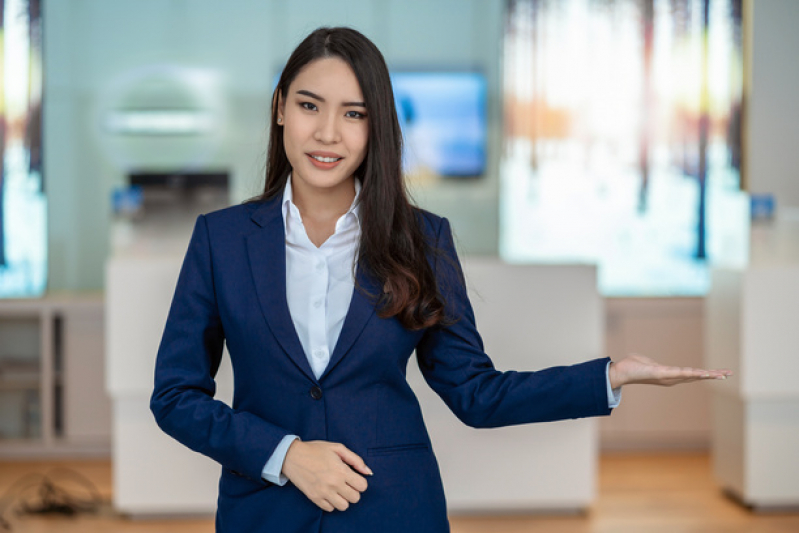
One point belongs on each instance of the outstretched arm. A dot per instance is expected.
(637, 369)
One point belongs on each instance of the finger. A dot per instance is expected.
(721, 371)
(350, 494)
(689, 375)
(325, 506)
(713, 374)
(338, 502)
(688, 372)
(353, 459)
(357, 482)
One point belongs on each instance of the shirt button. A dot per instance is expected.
(319, 353)
(317, 304)
(320, 265)
(316, 393)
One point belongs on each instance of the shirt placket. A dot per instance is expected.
(317, 314)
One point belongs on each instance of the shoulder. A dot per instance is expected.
(430, 223)
(235, 223)
(232, 214)
(243, 216)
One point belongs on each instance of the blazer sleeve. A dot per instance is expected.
(455, 366)
(188, 358)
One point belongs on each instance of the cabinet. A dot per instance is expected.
(751, 328)
(52, 396)
(751, 325)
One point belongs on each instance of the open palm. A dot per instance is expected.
(637, 369)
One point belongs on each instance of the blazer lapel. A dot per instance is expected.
(362, 308)
(266, 249)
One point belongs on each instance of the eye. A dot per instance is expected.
(355, 114)
(308, 105)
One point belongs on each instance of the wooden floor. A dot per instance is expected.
(652, 493)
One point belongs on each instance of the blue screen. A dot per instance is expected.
(443, 119)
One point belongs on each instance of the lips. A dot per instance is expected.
(324, 160)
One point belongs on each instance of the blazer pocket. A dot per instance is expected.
(394, 450)
(239, 474)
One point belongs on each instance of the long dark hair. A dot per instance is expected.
(393, 248)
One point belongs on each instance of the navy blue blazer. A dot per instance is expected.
(232, 289)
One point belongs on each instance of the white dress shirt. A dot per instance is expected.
(319, 286)
(320, 281)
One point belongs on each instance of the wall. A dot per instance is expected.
(96, 49)
(671, 331)
(91, 43)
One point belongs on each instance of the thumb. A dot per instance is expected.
(354, 460)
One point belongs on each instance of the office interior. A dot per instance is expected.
(110, 269)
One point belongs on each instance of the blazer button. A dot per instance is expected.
(316, 393)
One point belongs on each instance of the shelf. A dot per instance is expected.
(51, 366)
(19, 372)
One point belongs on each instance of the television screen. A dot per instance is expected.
(443, 119)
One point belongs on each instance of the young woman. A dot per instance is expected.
(322, 288)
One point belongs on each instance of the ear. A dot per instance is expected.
(281, 106)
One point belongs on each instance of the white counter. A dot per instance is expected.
(153, 474)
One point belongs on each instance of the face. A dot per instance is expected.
(325, 127)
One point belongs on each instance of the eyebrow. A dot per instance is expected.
(317, 97)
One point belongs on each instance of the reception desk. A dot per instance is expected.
(530, 317)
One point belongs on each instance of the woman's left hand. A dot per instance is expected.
(643, 370)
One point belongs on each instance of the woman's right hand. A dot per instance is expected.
(328, 473)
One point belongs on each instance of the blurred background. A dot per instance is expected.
(647, 147)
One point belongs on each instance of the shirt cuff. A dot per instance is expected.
(273, 468)
(614, 395)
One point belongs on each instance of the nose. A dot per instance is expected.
(327, 130)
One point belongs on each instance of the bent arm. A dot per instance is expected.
(454, 364)
(188, 358)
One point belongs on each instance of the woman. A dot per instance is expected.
(322, 288)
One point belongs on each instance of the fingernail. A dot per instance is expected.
(722, 377)
(369, 471)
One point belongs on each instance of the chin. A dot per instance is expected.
(326, 181)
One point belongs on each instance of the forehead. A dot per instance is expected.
(328, 77)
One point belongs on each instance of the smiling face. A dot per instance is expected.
(325, 127)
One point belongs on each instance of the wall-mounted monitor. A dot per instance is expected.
(443, 119)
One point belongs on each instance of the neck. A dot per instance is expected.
(323, 204)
